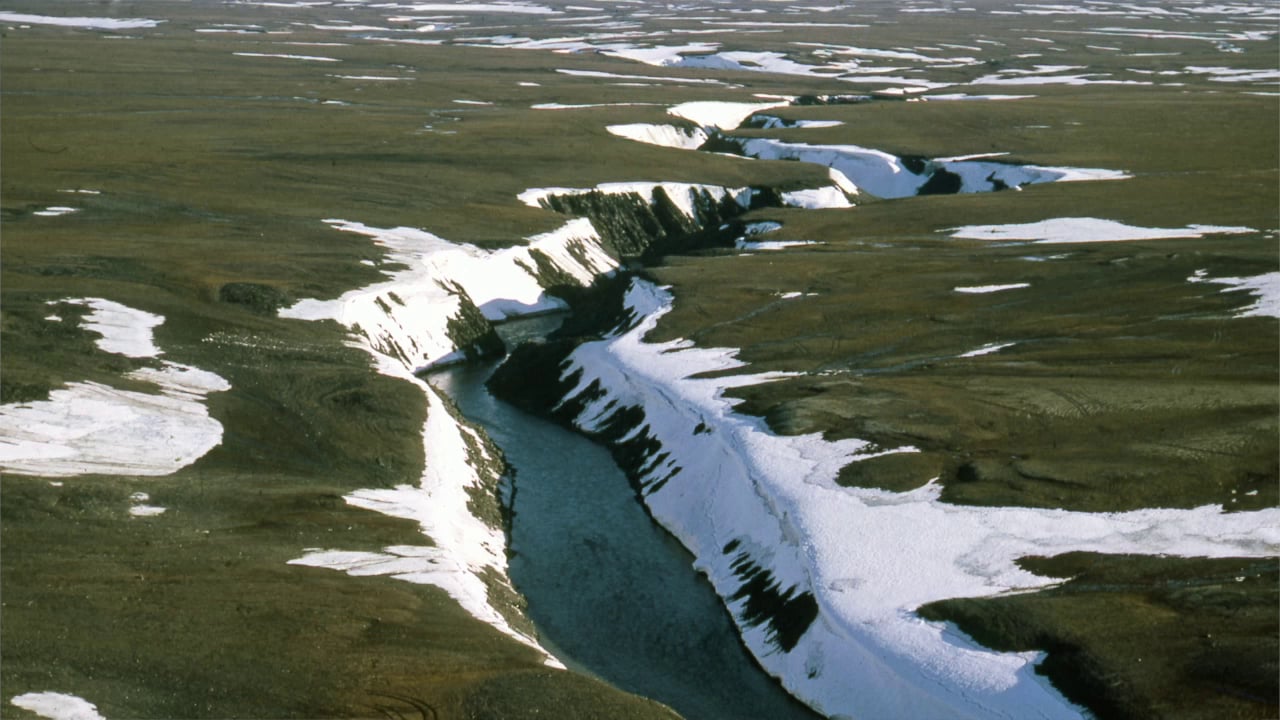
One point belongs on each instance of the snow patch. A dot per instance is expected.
(55, 211)
(89, 23)
(124, 330)
(141, 509)
(508, 8)
(662, 135)
(986, 349)
(403, 323)
(983, 289)
(1083, 230)
(1265, 287)
(717, 114)
(57, 706)
(817, 198)
(408, 315)
(464, 548)
(312, 58)
(92, 428)
(584, 106)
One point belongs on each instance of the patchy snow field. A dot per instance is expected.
(90, 428)
(1086, 230)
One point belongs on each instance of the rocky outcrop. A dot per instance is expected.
(640, 220)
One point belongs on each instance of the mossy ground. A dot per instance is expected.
(1129, 387)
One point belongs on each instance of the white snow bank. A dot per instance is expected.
(585, 106)
(465, 548)
(90, 428)
(511, 8)
(663, 135)
(757, 245)
(660, 55)
(1083, 230)
(722, 115)
(684, 195)
(852, 167)
(817, 198)
(1080, 79)
(738, 493)
(124, 330)
(966, 96)
(887, 176)
(57, 706)
(636, 78)
(141, 509)
(762, 228)
(403, 323)
(1265, 287)
(285, 56)
(983, 289)
(986, 349)
(771, 122)
(91, 23)
(407, 316)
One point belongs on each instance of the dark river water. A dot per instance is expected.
(612, 594)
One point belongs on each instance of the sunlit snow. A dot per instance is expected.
(91, 23)
(983, 289)
(55, 211)
(1085, 230)
(57, 706)
(92, 428)
(1265, 287)
(870, 557)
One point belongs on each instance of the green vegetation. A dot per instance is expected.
(1222, 666)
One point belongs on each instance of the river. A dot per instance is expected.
(611, 593)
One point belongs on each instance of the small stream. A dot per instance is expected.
(612, 594)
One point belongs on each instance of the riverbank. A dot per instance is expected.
(611, 593)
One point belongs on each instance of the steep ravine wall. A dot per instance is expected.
(823, 580)
(438, 306)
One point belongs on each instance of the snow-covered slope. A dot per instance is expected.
(439, 300)
(823, 579)
(426, 313)
(418, 314)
